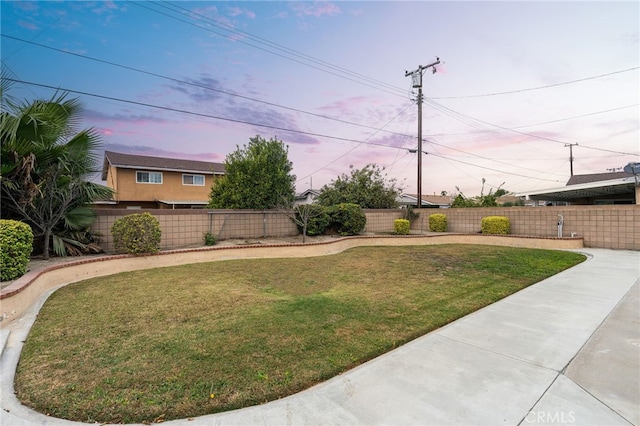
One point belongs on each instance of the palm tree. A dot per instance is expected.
(45, 171)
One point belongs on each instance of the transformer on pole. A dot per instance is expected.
(416, 82)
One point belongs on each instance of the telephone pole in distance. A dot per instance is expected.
(570, 145)
(416, 80)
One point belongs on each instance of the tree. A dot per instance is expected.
(257, 176)
(367, 187)
(304, 214)
(45, 172)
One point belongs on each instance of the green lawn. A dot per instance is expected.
(196, 339)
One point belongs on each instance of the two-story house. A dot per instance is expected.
(158, 183)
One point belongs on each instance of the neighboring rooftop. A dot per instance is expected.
(130, 161)
(618, 188)
(596, 177)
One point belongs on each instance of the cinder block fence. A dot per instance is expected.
(613, 227)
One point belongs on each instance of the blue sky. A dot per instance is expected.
(518, 81)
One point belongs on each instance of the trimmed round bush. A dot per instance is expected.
(347, 218)
(16, 243)
(496, 225)
(137, 233)
(438, 222)
(401, 226)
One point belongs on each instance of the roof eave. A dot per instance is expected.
(164, 169)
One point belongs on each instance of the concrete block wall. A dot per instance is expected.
(186, 228)
(380, 221)
(613, 227)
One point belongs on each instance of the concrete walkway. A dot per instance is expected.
(563, 351)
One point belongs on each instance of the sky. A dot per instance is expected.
(517, 83)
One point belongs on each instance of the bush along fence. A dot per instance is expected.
(615, 227)
(16, 240)
(495, 225)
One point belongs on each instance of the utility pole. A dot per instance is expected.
(416, 80)
(570, 145)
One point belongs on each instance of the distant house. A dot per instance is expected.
(591, 189)
(306, 197)
(161, 183)
(428, 201)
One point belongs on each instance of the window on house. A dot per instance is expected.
(148, 177)
(197, 180)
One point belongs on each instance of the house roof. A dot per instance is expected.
(596, 177)
(130, 161)
(433, 200)
(305, 194)
(624, 185)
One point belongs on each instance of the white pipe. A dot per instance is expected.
(560, 225)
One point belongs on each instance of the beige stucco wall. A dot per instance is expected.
(123, 181)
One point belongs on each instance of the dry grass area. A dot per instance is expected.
(185, 341)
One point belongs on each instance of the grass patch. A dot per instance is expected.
(196, 339)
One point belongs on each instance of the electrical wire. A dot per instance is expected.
(251, 123)
(396, 93)
(186, 12)
(442, 107)
(353, 148)
(539, 87)
(189, 83)
(198, 114)
(541, 123)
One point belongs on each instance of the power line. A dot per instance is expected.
(251, 123)
(452, 113)
(189, 83)
(443, 108)
(396, 92)
(186, 12)
(489, 168)
(354, 148)
(198, 114)
(577, 116)
(481, 157)
(544, 122)
(539, 87)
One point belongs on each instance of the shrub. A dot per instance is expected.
(496, 225)
(137, 233)
(16, 243)
(209, 239)
(317, 218)
(401, 226)
(438, 222)
(347, 218)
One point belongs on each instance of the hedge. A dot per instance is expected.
(438, 222)
(16, 243)
(496, 225)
